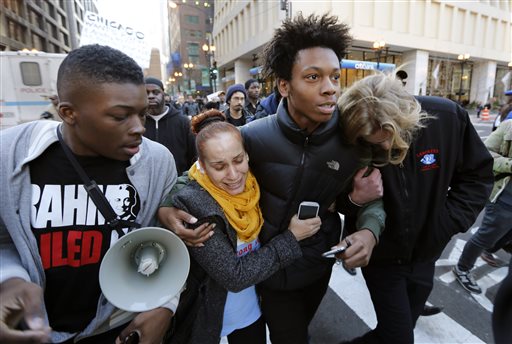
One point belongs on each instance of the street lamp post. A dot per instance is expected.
(188, 67)
(170, 82)
(209, 51)
(463, 59)
(378, 46)
(178, 75)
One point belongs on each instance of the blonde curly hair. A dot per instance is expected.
(376, 102)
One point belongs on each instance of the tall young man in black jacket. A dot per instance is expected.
(437, 176)
(299, 155)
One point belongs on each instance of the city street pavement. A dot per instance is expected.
(347, 312)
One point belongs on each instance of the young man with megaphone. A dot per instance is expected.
(53, 233)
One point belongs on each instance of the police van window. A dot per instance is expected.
(30, 73)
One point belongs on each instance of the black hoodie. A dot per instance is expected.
(173, 131)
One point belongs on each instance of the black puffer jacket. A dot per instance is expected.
(444, 183)
(292, 166)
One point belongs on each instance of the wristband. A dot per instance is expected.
(354, 203)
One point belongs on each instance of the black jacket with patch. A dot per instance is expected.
(439, 191)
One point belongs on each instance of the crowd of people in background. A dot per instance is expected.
(408, 172)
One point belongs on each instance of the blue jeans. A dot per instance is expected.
(496, 225)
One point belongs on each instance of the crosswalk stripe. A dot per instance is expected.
(353, 291)
(433, 329)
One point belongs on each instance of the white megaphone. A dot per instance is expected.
(144, 269)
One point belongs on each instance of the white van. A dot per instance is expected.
(28, 80)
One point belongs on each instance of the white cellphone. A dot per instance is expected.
(308, 210)
(333, 253)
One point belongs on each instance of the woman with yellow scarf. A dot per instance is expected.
(222, 190)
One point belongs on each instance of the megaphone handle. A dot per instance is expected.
(132, 338)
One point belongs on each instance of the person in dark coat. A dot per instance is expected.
(268, 106)
(437, 176)
(165, 125)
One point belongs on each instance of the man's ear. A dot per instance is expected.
(284, 87)
(67, 112)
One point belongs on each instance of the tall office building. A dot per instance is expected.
(44, 25)
(456, 49)
(190, 29)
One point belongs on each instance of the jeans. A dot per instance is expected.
(496, 225)
(398, 293)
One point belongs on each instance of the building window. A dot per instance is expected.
(30, 74)
(192, 49)
(63, 21)
(13, 5)
(502, 83)
(15, 31)
(51, 10)
(53, 30)
(38, 42)
(195, 33)
(36, 20)
(192, 19)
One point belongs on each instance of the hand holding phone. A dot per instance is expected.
(333, 253)
(307, 210)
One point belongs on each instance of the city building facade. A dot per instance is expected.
(42, 25)
(191, 47)
(455, 49)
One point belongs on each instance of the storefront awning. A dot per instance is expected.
(348, 64)
(366, 65)
(255, 70)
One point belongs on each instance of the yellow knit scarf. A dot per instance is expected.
(242, 210)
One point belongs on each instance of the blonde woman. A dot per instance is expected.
(437, 175)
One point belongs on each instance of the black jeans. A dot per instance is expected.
(496, 225)
(289, 312)
(398, 293)
(502, 313)
(255, 333)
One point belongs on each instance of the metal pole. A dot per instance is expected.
(461, 75)
(189, 80)
(208, 57)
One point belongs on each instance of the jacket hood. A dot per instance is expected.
(270, 104)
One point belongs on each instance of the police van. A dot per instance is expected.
(28, 80)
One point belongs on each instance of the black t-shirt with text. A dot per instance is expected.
(71, 233)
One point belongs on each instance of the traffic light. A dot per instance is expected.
(213, 72)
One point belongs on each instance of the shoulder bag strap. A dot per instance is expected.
(94, 191)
